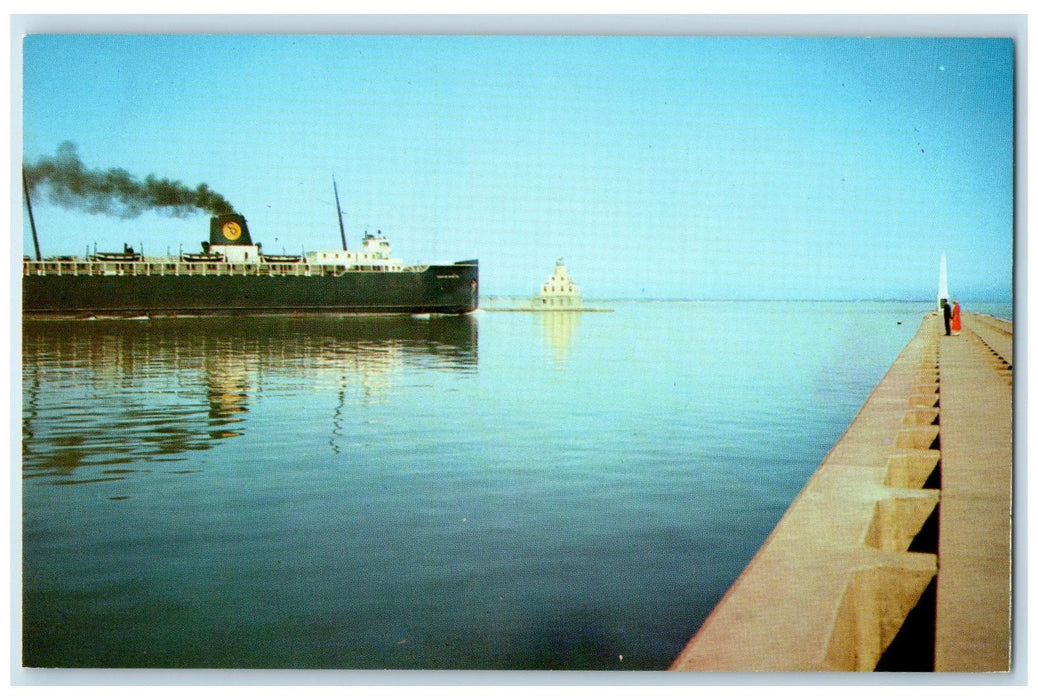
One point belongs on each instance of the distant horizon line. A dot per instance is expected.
(756, 299)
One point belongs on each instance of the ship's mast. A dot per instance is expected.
(338, 209)
(32, 221)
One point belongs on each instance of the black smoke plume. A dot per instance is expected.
(115, 192)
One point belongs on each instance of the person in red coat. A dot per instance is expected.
(956, 320)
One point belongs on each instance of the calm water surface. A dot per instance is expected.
(496, 491)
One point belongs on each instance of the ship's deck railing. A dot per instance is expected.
(176, 267)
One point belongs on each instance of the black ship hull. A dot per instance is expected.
(438, 289)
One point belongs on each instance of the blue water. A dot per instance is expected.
(497, 491)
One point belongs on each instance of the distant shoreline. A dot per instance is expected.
(535, 310)
(516, 297)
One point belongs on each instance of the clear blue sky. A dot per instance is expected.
(687, 167)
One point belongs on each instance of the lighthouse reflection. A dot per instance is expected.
(559, 329)
(122, 395)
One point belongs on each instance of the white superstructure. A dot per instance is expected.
(374, 254)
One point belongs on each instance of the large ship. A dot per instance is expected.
(231, 274)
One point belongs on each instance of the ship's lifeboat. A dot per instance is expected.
(202, 257)
(281, 258)
(128, 255)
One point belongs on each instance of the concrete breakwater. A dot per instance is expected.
(896, 555)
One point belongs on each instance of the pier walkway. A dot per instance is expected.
(973, 588)
(896, 555)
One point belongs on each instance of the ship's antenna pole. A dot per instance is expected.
(32, 221)
(338, 209)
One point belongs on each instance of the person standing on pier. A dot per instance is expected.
(956, 320)
(947, 318)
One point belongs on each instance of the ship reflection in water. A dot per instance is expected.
(118, 395)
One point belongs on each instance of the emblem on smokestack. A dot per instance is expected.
(229, 229)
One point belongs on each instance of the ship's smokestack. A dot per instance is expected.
(229, 229)
(116, 192)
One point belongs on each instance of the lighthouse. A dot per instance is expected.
(559, 292)
(942, 284)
